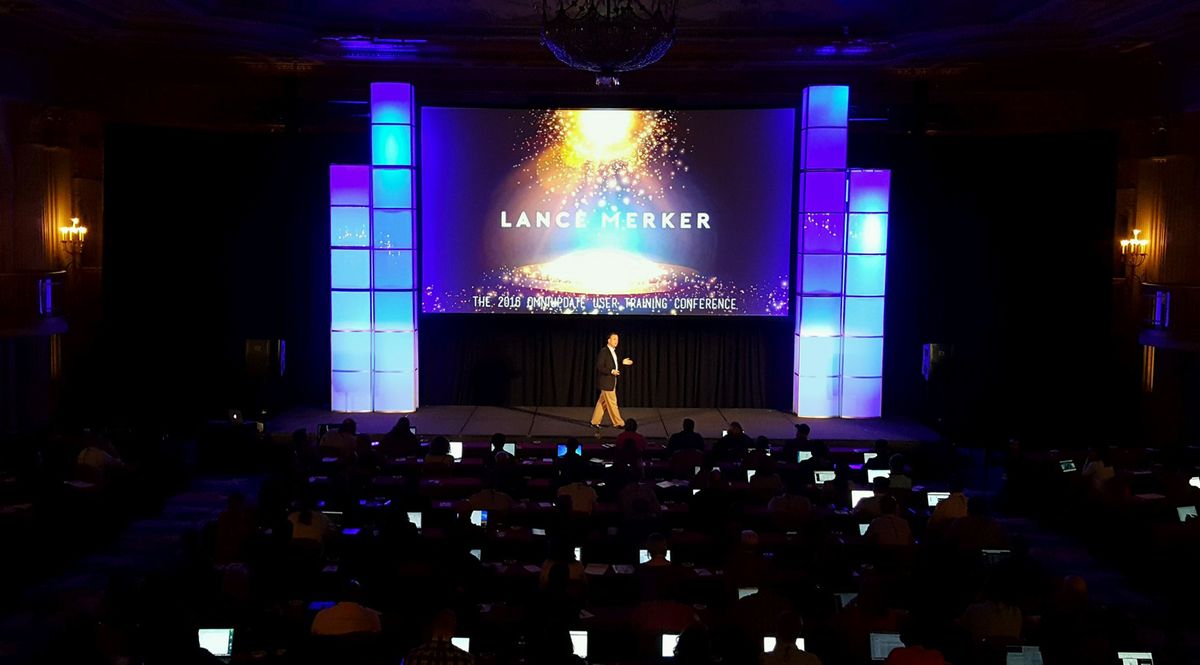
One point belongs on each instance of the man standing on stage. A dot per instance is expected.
(607, 371)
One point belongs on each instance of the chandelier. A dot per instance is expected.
(608, 37)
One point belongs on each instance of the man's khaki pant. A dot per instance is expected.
(608, 404)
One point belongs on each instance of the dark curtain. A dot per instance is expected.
(544, 361)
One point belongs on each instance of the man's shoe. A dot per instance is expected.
(596, 426)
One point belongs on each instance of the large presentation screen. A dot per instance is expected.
(606, 211)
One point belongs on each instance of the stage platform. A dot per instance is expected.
(535, 423)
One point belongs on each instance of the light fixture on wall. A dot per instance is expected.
(1133, 250)
(73, 237)
(608, 37)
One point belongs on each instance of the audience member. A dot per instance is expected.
(341, 442)
(400, 440)
(438, 650)
(787, 629)
(733, 444)
(348, 616)
(687, 439)
(889, 529)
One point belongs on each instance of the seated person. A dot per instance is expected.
(787, 629)
(869, 507)
(400, 441)
(766, 482)
(98, 462)
(341, 442)
(308, 523)
(439, 458)
(900, 477)
(656, 547)
(583, 497)
(438, 650)
(687, 439)
(236, 525)
(495, 450)
(918, 648)
(883, 456)
(951, 508)
(631, 434)
(798, 443)
(1097, 469)
(348, 616)
(490, 499)
(733, 444)
(572, 465)
(889, 529)
(995, 615)
(637, 498)
(561, 552)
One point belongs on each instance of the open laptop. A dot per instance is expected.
(934, 498)
(456, 450)
(644, 556)
(479, 517)
(1186, 513)
(217, 641)
(463, 643)
(335, 517)
(561, 451)
(579, 640)
(579, 554)
(1194, 481)
(882, 644)
(1135, 658)
(668, 645)
(750, 474)
(746, 591)
(415, 518)
(859, 495)
(510, 448)
(803, 455)
(820, 477)
(872, 474)
(993, 557)
(769, 644)
(478, 554)
(867, 457)
(1022, 655)
(1067, 465)
(862, 529)
(842, 599)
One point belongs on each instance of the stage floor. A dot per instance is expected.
(556, 421)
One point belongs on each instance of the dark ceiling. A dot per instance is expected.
(948, 64)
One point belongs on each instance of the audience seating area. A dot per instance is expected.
(359, 547)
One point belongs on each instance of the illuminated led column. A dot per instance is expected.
(866, 268)
(393, 266)
(373, 328)
(350, 287)
(817, 381)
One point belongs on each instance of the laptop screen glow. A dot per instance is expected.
(872, 474)
(1067, 465)
(415, 518)
(1023, 655)
(510, 448)
(750, 474)
(867, 457)
(859, 495)
(746, 591)
(644, 556)
(1135, 658)
(824, 476)
(934, 498)
(882, 644)
(1186, 512)
(479, 517)
(456, 448)
(1194, 481)
(478, 554)
(668, 645)
(803, 455)
(463, 643)
(579, 639)
(769, 644)
(217, 641)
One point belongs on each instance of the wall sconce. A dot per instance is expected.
(1133, 250)
(72, 237)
